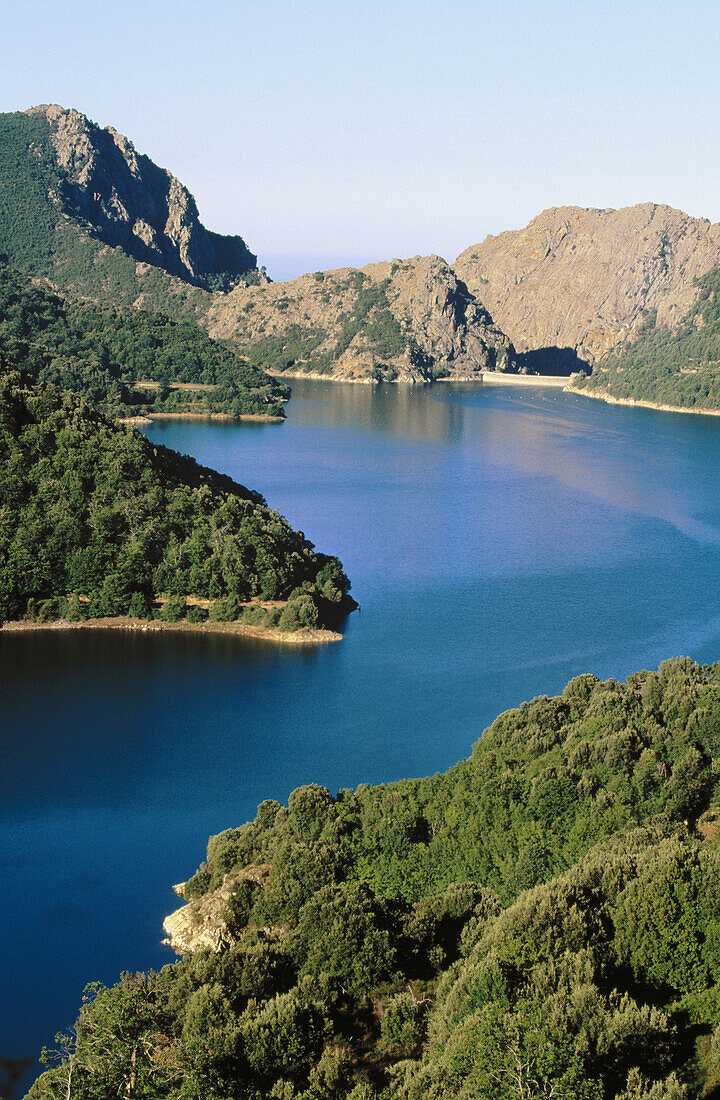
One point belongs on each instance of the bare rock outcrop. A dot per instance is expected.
(407, 320)
(580, 280)
(201, 925)
(131, 203)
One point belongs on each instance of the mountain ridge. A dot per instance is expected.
(404, 320)
(100, 220)
(131, 202)
(573, 288)
(576, 283)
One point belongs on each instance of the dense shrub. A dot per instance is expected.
(376, 964)
(95, 511)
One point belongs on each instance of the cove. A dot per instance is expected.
(499, 541)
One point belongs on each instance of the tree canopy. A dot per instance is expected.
(95, 520)
(101, 353)
(542, 920)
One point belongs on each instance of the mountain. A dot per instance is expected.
(94, 520)
(80, 206)
(542, 920)
(410, 320)
(677, 369)
(131, 203)
(576, 284)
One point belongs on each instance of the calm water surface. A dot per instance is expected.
(499, 541)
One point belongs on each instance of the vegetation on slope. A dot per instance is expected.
(399, 321)
(37, 239)
(541, 921)
(27, 217)
(383, 337)
(80, 207)
(679, 366)
(100, 352)
(96, 521)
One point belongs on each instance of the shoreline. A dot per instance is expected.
(500, 378)
(631, 403)
(303, 637)
(262, 418)
(315, 376)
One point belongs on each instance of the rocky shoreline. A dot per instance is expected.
(137, 421)
(631, 403)
(500, 378)
(315, 376)
(304, 637)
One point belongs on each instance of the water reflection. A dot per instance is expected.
(147, 714)
(595, 450)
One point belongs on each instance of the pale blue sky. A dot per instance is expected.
(337, 132)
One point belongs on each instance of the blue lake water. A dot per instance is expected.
(499, 541)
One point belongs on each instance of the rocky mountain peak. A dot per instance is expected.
(578, 281)
(407, 319)
(130, 202)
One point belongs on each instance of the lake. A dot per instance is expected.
(499, 541)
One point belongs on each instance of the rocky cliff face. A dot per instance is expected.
(579, 280)
(410, 320)
(201, 925)
(131, 203)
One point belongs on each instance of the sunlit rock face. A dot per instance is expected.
(130, 202)
(406, 320)
(580, 281)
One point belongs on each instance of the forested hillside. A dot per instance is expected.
(96, 521)
(678, 366)
(543, 920)
(101, 352)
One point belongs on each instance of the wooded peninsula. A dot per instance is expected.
(541, 920)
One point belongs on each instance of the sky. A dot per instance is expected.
(332, 133)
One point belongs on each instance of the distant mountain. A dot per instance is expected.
(410, 320)
(80, 206)
(576, 284)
